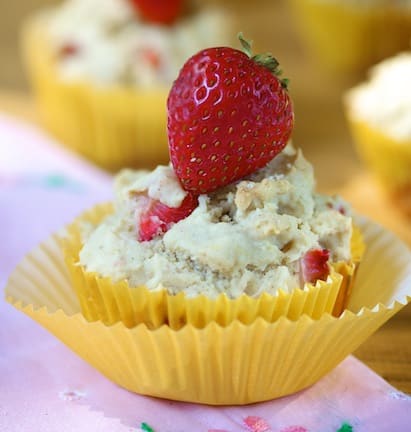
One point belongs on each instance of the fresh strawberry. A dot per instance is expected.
(229, 114)
(158, 11)
(341, 208)
(151, 57)
(68, 49)
(314, 265)
(157, 218)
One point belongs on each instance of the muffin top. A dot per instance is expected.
(384, 102)
(252, 236)
(108, 42)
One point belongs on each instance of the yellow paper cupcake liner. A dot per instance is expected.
(114, 126)
(388, 158)
(233, 364)
(349, 36)
(101, 299)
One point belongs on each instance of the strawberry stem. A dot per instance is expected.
(245, 44)
(267, 60)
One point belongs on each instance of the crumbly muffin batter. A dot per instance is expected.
(248, 237)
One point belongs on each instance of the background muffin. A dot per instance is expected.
(348, 36)
(379, 114)
(101, 73)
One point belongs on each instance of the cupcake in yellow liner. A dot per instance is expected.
(211, 266)
(101, 75)
(233, 364)
(257, 228)
(379, 115)
(349, 36)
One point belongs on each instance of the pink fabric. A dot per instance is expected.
(45, 387)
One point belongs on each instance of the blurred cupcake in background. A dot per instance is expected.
(101, 71)
(379, 114)
(348, 36)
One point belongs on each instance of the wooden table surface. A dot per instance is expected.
(388, 351)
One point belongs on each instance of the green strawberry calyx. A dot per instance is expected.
(267, 60)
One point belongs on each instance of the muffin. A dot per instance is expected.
(101, 72)
(379, 115)
(184, 224)
(232, 229)
(348, 36)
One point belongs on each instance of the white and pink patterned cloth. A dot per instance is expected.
(44, 387)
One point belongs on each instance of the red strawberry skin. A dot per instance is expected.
(68, 49)
(314, 265)
(227, 117)
(157, 218)
(158, 11)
